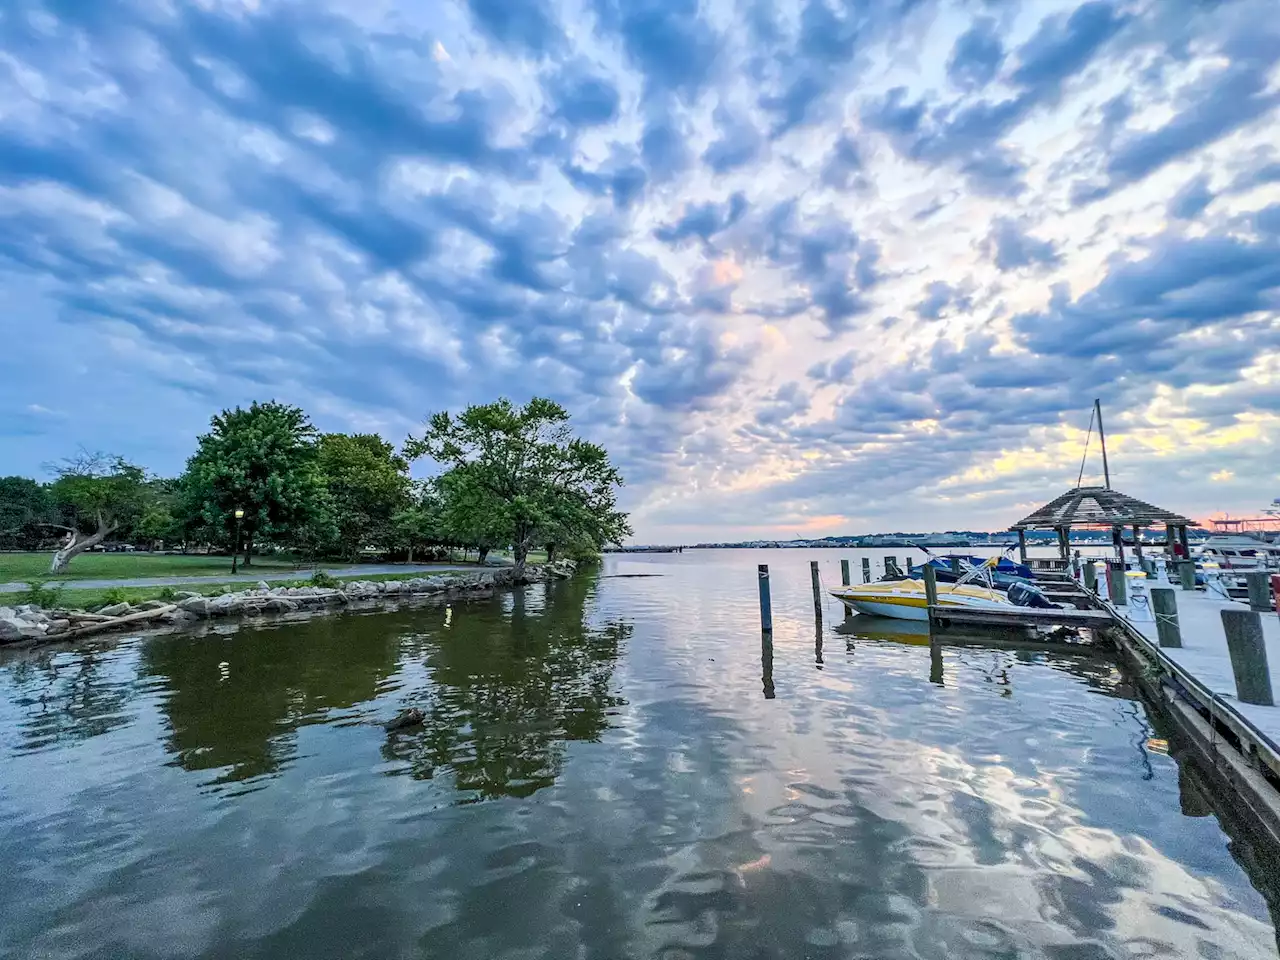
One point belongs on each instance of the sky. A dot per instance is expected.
(805, 268)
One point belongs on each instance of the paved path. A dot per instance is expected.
(268, 574)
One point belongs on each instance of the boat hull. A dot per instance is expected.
(905, 599)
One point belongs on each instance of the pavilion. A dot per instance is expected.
(1102, 507)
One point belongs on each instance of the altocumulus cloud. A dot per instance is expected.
(788, 259)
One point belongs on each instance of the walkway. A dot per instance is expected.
(270, 574)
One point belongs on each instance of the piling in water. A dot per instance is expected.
(911, 566)
(930, 585)
(844, 572)
(766, 603)
(1164, 603)
(1116, 585)
(1091, 578)
(817, 588)
(1248, 656)
(866, 570)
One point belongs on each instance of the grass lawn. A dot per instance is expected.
(123, 566)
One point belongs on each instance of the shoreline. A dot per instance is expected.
(28, 626)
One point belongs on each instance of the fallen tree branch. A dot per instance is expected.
(108, 624)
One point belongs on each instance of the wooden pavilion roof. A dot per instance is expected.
(1097, 506)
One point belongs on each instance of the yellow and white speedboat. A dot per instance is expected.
(905, 599)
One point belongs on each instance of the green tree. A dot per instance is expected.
(418, 526)
(96, 495)
(464, 510)
(263, 461)
(159, 520)
(368, 483)
(525, 472)
(25, 507)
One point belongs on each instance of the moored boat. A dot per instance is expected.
(905, 599)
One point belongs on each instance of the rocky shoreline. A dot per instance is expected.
(29, 625)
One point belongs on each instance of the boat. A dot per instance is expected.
(905, 599)
(1237, 551)
(1002, 576)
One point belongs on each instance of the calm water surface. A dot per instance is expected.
(610, 767)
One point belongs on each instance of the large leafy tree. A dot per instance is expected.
(465, 513)
(96, 494)
(368, 484)
(263, 461)
(25, 508)
(524, 472)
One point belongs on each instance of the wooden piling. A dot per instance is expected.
(1091, 577)
(766, 664)
(866, 570)
(1187, 574)
(930, 585)
(766, 602)
(1116, 585)
(817, 588)
(1164, 603)
(1259, 591)
(844, 572)
(891, 566)
(1248, 656)
(955, 565)
(911, 566)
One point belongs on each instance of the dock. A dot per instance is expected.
(1028, 617)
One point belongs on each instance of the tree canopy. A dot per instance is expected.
(523, 476)
(368, 484)
(262, 460)
(95, 494)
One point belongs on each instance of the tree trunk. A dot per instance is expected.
(76, 545)
(551, 553)
(521, 550)
(248, 550)
(483, 553)
(410, 560)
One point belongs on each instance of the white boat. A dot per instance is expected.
(1237, 551)
(905, 599)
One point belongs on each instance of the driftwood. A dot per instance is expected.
(405, 719)
(112, 622)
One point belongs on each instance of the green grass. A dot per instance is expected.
(125, 566)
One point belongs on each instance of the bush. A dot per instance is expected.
(322, 579)
(112, 597)
(40, 594)
(167, 594)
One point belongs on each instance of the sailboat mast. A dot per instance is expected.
(1102, 438)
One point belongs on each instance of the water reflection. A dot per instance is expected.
(500, 705)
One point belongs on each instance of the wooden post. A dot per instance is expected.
(955, 565)
(1117, 541)
(844, 572)
(911, 566)
(1116, 585)
(766, 603)
(1187, 574)
(1149, 567)
(1182, 539)
(766, 663)
(1164, 603)
(1170, 538)
(1248, 656)
(1064, 544)
(1022, 546)
(1091, 577)
(890, 566)
(935, 662)
(1259, 591)
(866, 570)
(817, 589)
(930, 585)
(1137, 545)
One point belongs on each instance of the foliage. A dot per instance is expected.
(465, 514)
(167, 593)
(261, 460)
(112, 596)
(97, 492)
(39, 594)
(24, 506)
(368, 484)
(322, 579)
(525, 476)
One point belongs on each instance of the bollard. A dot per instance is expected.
(1248, 656)
(766, 604)
(817, 588)
(1164, 602)
(1116, 585)
(1259, 591)
(1091, 577)
(930, 585)
(844, 572)
(866, 570)
(1187, 574)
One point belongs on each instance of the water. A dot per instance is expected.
(611, 767)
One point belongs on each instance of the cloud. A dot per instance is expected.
(723, 236)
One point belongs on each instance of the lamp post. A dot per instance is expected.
(235, 543)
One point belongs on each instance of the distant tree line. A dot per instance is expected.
(510, 477)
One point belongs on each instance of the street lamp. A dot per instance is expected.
(235, 543)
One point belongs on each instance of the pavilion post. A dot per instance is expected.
(1022, 546)
(1064, 544)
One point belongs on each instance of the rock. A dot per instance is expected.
(116, 610)
(34, 615)
(497, 561)
(187, 594)
(279, 605)
(10, 629)
(391, 586)
(55, 627)
(179, 616)
(264, 586)
(8, 613)
(197, 606)
(405, 719)
(152, 604)
(226, 605)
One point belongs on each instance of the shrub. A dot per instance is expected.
(113, 596)
(40, 594)
(322, 579)
(167, 594)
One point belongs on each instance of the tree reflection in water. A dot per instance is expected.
(504, 697)
(502, 685)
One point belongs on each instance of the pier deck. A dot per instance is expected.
(1020, 616)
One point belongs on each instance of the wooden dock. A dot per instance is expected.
(1029, 617)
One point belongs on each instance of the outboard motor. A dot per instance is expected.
(1026, 595)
